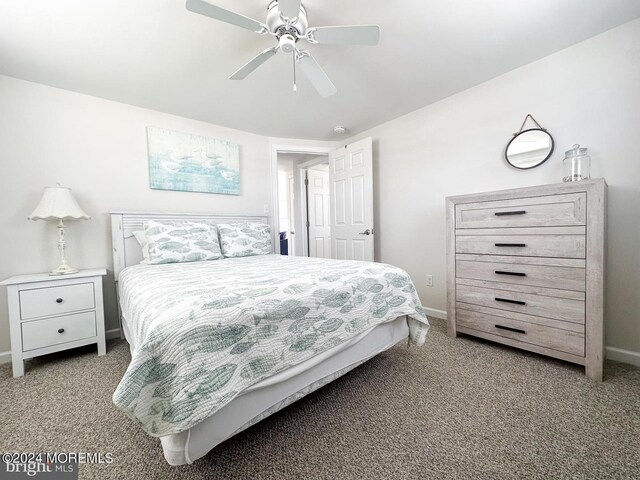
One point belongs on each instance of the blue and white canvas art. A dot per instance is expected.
(192, 163)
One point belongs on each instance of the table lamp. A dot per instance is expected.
(57, 203)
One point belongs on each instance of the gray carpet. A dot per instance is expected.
(456, 408)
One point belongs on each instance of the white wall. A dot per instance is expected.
(587, 94)
(99, 149)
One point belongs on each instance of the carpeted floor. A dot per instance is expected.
(456, 408)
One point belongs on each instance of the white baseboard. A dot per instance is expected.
(113, 333)
(624, 356)
(5, 357)
(432, 312)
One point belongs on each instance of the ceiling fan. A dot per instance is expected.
(287, 22)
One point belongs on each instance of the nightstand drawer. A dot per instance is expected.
(57, 330)
(554, 210)
(48, 301)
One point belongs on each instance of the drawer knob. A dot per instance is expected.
(506, 214)
(61, 330)
(506, 300)
(511, 329)
(59, 300)
(515, 274)
(520, 245)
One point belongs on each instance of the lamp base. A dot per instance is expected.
(63, 270)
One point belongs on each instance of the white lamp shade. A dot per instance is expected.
(57, 203)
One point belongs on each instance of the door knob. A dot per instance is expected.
(366, 232)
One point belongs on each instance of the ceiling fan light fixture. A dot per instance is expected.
(287, 43)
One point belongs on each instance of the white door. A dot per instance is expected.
(318, 207)
(351, 193)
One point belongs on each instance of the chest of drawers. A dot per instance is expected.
(525, 267)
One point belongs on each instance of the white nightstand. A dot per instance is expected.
(51, 313)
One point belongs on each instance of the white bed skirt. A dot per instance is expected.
(278, 391)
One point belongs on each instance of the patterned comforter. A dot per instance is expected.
(204, 332)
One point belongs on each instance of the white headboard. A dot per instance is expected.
(127, 251)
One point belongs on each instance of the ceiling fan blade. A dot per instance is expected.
(347, 35)
(289, 8)
(204, 8)
(317, 76)
(258, 60)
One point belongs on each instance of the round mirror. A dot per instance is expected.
(529, 149)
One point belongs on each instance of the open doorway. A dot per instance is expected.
(318, 222)
(340, 228)
(303, 227)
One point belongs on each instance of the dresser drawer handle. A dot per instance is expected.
(61, 330)
(511, 244)
(515, 212)
(517, 330)
(59, 300)
(506, 300)
(515, 274)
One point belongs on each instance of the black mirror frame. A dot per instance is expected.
(553, 144)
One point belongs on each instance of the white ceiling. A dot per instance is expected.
(157, 55)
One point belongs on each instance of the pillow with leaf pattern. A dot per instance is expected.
(177, 242)
(245, 239)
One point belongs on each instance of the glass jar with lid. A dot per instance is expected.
(576, 165)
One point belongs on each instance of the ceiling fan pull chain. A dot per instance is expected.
(295, 87)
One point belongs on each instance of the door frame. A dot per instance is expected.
(275, 212)
(291, 209)
(302, 170)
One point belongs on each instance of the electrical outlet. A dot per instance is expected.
(429, 280)
(266, 208)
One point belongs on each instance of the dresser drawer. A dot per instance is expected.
(500, 323)
(567, 274)
(45, 333)
(44, 302)
(562, 242)
(549, 211)
(562, 305)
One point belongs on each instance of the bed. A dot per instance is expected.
(219, 345)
